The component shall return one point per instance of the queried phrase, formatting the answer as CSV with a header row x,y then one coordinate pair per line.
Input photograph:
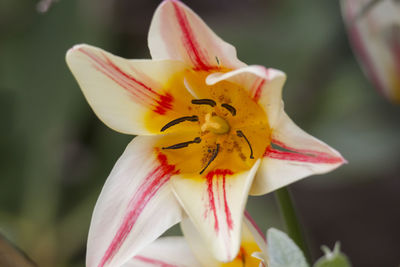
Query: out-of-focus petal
x,y
292,155
122,91
374,31
170,251
264,86
215,205
252,239
135,206
255,232
176,32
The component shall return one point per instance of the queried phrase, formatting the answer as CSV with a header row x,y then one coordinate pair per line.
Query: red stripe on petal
x,y
141,93
154,181
257,89
228,215
211,199
253,223
189,41
155,262
301,155
210,190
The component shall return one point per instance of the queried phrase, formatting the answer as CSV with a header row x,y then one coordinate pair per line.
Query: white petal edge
x,y
122,91
256,233
135,207
302,155
215,205
196,242
176,32
172,251
263,84
250,233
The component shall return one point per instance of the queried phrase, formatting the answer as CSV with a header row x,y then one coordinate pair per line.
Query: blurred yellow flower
x,y
212,130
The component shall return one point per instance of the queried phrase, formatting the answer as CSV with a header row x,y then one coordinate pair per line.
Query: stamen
x,y
197,140
240,134
231,109
179,120
204,102
213,156
217,59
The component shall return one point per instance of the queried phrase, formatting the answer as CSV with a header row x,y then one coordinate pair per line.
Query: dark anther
x,y
179,120
197,140
204,102
231,109
216,58
213,156
240,134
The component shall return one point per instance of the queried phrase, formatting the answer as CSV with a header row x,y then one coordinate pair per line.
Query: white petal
x,y
176,32
375,37
122,91
170,251
264,85
135,206
215,205
196,242
250,234
253,231
293,155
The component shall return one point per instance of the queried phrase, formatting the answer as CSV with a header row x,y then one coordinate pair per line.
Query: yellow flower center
x,y
210,127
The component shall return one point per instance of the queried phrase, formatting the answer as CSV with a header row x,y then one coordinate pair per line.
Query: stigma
x,y
215,124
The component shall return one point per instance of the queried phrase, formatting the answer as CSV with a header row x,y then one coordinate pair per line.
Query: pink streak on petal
x,y
155,262
229,220
253,223
301,155
212,200
257,89
189,40
154,181
141,92
210,179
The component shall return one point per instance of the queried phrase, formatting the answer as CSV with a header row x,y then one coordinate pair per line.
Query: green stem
x,y
293,226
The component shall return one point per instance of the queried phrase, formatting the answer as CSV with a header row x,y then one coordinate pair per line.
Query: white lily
x,y
212,130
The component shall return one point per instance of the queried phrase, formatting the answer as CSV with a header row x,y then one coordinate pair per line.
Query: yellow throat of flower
x,y
218,127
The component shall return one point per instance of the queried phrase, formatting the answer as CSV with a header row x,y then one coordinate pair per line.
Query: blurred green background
x,y
56,154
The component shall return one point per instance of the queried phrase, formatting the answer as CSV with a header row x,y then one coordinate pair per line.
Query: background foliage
x,y
56,154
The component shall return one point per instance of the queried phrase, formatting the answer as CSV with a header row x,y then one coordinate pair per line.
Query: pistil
x,y
215,124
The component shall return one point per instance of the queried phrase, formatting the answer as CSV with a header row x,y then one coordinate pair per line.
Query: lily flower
x,y
176,251
212,130
374,31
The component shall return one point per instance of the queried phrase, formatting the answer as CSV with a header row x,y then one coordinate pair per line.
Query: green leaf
x,y
282,251
333,258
